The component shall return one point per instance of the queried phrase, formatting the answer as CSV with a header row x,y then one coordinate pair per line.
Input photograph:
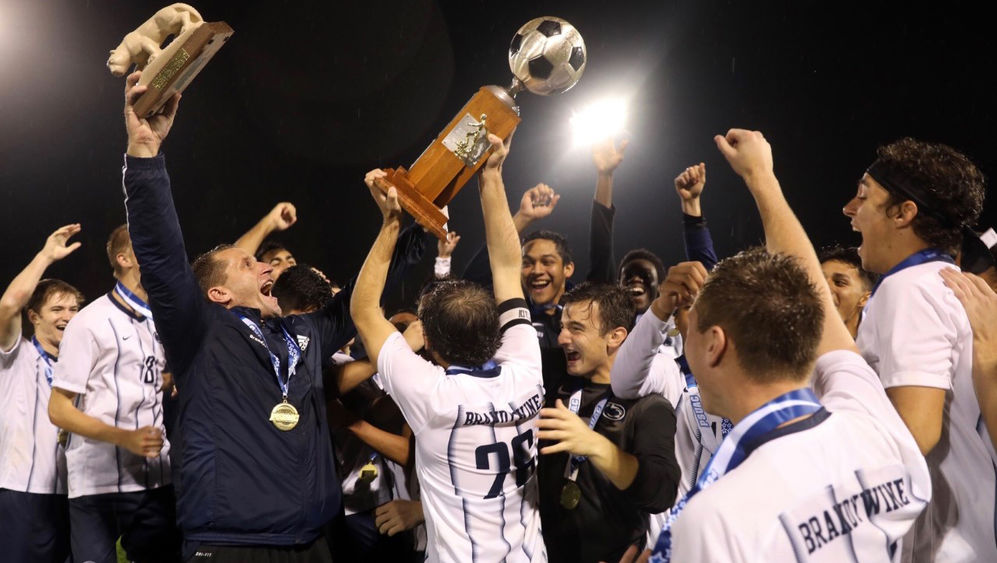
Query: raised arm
x,y
18,293
750,155
280,218
607,156
365,301
174,295
695,234
635,373
538,202
504,252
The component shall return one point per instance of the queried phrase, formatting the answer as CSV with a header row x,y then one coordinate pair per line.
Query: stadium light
x,y
600,120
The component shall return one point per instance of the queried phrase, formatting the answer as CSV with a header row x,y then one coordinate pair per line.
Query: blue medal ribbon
x,y
574,403
293,352
919,257
45,358
764,419
133,301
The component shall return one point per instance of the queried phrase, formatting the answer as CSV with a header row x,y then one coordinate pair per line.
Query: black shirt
x,y
608,520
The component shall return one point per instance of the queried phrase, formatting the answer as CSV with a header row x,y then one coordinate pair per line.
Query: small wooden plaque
x,y
178,64
443,168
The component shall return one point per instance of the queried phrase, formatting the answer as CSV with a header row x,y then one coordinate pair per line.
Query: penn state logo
x,y
614,411
303,342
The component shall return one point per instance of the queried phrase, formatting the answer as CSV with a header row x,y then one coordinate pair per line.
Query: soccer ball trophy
x,y
546,56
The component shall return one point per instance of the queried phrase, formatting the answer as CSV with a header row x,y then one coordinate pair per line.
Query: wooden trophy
x,y
170,70
454,157
546,56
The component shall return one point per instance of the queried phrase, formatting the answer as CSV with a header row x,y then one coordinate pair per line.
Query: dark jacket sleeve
x,y
698,242
178,308
601,260
334,322
653,444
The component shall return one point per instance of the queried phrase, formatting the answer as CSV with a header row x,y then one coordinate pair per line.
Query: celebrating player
x,y
912,208
472,416
108,393
33,505
251,395
851,479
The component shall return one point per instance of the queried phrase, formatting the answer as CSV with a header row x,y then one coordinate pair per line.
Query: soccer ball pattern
x,y
547,55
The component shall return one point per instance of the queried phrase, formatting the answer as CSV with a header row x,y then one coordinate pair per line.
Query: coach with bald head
x,y
257,478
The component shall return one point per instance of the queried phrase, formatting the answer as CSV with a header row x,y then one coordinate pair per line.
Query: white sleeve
x,y
77,356
7,356
639,370
410,380
520,346
703,535
916,333
844,382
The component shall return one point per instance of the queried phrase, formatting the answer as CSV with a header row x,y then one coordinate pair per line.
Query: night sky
x,y
308,96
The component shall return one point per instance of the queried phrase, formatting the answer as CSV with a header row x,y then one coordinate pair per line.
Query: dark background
x,y
308,96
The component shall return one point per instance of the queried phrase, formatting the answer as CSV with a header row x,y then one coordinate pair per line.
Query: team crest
x,y
614,411
303,342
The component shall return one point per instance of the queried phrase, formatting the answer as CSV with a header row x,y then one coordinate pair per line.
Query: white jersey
x,y
113,360
646,364
31,459
844,485
476,448
915,332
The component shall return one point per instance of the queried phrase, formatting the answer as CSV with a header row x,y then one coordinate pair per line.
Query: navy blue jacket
x,y
241,480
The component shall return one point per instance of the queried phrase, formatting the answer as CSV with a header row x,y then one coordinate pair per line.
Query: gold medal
x,y
284,416
571,494
368,472
63,437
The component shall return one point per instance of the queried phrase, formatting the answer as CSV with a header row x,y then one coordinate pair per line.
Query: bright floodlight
x,y
599,121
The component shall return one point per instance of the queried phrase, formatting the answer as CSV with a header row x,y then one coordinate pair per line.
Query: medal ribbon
x,y
133,301
709,440
45,358
761,421
574,403
293,352
919,257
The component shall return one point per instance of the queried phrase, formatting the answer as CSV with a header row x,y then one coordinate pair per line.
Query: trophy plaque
x,y
546,56
170,70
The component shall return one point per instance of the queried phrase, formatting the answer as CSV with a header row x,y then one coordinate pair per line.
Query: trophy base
x,y
178,64
425,212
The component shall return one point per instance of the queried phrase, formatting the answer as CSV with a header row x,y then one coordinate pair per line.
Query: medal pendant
x,y
63,437
284,416
368,472
571,494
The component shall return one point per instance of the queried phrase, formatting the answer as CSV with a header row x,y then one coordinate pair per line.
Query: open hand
x,y
607,154
56,247
568,430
